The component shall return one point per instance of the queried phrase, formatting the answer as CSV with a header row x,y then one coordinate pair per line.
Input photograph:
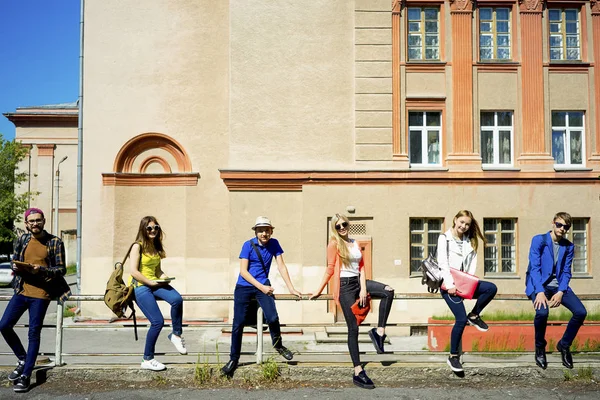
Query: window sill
x,y
581,275
501,62
564,168
500,168
425,168
568,66
507,275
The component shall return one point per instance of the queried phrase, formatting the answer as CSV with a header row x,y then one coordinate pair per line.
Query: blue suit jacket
x,y
541,264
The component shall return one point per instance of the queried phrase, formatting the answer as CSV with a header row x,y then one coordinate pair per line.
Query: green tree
x,y
12,205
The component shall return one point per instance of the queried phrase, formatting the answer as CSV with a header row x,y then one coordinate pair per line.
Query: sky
x,y
39,55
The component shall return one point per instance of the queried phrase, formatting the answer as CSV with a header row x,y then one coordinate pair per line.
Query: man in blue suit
x,y
547,285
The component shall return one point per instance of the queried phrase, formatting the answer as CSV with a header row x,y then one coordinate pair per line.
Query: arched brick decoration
x,y
146,141
124,175
155,160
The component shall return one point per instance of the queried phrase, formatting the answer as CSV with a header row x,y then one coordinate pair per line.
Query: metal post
x,y
59,334
56,198
259,336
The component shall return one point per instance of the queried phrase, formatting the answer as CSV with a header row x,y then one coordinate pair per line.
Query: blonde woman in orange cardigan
x,y
345,264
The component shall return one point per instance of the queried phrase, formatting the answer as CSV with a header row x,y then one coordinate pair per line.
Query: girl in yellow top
x,y
145,269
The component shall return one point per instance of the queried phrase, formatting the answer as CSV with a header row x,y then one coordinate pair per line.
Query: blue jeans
x,y
145,297
573,304
14,310
484,293
242,296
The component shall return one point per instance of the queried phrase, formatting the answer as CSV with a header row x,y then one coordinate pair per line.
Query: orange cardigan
x,y
334,265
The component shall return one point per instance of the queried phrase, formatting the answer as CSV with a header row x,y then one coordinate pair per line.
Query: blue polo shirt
x,y
272,249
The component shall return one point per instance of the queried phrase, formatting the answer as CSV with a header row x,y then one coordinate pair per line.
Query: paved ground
x,y
319,370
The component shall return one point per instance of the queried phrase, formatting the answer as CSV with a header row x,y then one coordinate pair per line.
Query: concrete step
x,y
338,335
286,330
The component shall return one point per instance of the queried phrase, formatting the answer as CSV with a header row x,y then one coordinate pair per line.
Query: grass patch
x,y
71,269
269,370
499,344
69,310
560,314
585,373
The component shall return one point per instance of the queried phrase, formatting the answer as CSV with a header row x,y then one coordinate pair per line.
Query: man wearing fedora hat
x,y
253,283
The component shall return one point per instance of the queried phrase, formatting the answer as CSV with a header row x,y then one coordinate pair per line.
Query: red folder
x,y
465,283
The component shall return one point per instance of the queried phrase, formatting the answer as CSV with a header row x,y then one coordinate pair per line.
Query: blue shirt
x,y
272,249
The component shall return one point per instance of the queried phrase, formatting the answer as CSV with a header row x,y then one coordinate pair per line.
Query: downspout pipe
x,y
80,150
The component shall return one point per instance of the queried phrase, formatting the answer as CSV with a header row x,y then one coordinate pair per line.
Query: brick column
x,y
595,158
398,144
463,155
534,153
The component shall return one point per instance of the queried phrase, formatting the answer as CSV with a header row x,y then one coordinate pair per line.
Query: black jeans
x,y
349,292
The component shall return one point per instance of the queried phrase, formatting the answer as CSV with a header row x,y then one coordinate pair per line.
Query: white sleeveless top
x,y
355,257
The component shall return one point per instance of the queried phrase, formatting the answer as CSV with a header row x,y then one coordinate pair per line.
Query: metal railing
x,y
259,317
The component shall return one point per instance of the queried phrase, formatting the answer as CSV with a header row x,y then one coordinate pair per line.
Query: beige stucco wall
x,y
258,85
162,67
291,84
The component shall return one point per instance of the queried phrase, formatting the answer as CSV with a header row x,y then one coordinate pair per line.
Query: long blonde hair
x,y
335,236
474,231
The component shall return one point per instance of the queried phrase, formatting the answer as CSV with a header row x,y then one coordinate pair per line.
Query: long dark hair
x,y
474,231
150,246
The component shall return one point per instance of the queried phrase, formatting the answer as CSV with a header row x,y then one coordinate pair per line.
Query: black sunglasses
x,y
153,228
340,226
565,226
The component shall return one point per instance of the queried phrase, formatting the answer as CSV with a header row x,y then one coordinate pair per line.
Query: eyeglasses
x,y
565,226
35,221
343,225
153,228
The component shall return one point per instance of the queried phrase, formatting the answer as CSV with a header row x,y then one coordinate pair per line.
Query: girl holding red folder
x,y
349,284
457,250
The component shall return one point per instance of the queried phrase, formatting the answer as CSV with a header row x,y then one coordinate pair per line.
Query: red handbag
x,y
361,312
465,283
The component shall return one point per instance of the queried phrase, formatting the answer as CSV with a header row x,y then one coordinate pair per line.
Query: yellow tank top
x,y
148,266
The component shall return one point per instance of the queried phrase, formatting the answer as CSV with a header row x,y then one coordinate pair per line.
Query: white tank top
x,y
355,257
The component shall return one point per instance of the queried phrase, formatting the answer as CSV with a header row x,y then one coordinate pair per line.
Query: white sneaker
x,y
179,343
153,365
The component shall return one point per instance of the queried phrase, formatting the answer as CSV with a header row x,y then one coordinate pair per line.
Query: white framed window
x,y
496,138
494,33
579,237
568,144
424,233
425,137
565,34
423,33
500,253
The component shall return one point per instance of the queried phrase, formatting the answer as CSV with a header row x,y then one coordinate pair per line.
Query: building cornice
x,y
254,180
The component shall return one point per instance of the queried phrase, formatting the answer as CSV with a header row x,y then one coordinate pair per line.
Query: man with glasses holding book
x,y
39,266
547,285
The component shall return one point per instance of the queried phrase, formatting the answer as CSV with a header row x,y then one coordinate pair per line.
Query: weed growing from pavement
x,y
159,380
585,373
269,370
567,375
